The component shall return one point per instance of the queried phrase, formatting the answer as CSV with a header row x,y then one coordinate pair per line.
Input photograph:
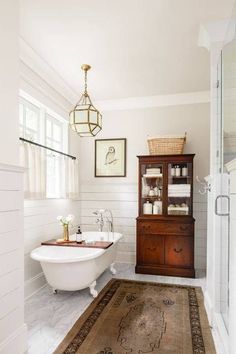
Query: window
x,y
29,121
41,125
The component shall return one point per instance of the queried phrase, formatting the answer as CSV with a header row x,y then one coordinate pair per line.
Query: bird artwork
x,y
110,156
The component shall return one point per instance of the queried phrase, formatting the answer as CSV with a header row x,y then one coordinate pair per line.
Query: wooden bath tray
x,y
95,244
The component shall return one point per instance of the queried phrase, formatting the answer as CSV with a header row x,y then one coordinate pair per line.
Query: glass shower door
x,y
226,152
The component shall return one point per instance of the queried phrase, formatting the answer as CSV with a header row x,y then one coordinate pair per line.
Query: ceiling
x,y
136,47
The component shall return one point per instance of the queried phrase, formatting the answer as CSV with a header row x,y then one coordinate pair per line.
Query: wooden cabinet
x,y
165,225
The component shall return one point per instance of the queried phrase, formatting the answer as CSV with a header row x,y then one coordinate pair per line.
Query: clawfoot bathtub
x,y
72,268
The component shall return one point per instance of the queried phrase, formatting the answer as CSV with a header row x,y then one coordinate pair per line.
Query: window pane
x,y
53,176
31,135
49,128
57,132
37,125
31,119
21,113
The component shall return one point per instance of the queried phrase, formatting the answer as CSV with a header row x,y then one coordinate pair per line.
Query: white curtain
x,y
33,158
65,179
71,178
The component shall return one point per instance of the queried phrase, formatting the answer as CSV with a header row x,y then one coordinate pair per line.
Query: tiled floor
x,y
49,317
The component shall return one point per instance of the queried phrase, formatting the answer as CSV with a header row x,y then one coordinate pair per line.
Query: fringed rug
x,y
142,317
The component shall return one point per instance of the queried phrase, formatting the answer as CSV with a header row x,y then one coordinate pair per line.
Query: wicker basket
x,y
166,145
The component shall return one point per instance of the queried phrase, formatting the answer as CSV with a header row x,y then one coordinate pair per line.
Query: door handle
x,y
216,205
179,250
183,228
152,249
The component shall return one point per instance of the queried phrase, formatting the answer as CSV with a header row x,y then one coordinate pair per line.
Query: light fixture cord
x,y
85,83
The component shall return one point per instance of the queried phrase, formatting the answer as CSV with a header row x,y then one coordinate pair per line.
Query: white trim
x,y
153,101
231,166
40,105
40,67
36,63
216,32
33,285
11,168
208,307
219,333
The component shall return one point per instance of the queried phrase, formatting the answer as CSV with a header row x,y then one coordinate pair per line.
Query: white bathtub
x,y
72,268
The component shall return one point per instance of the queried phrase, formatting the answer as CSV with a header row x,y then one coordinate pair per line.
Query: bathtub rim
x,y
95,253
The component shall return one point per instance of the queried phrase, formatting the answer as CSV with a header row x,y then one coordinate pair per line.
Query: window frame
x,y
45,113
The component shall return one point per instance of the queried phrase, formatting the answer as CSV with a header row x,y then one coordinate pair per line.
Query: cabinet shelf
x,y
153,198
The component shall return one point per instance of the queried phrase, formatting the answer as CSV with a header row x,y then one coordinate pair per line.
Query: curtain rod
x,y
48,148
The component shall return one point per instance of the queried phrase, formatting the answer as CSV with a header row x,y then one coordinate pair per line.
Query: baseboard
x,y
34,284
219,333
16,343
208,307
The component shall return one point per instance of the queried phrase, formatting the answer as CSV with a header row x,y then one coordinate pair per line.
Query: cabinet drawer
x,y
179,251
166,228
150,249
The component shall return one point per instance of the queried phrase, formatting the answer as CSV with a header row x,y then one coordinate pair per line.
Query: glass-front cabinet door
x,y
180,188
152,189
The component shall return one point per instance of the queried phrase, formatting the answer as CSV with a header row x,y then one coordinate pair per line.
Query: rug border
x,y
206,332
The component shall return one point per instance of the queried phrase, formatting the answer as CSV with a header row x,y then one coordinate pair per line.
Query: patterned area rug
x,y
142,317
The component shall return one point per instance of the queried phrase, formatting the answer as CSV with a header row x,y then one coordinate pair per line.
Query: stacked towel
x,y
153,171
179,190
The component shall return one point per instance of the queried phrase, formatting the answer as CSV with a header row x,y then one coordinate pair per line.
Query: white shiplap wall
x,y
40,224
12,328
122,200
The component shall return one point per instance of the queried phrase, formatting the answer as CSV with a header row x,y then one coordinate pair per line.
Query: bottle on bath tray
x,y
79,238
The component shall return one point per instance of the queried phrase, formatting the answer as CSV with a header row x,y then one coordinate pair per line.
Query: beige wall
x,y
120,194
136,125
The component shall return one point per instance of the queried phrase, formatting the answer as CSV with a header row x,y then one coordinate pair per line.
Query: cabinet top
x,y
167,157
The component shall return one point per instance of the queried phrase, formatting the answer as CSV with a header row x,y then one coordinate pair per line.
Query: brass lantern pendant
x,y
85,119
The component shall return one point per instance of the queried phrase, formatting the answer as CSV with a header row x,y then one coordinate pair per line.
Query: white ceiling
x,y
136,47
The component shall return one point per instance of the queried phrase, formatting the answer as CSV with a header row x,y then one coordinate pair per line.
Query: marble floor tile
x,y
49,317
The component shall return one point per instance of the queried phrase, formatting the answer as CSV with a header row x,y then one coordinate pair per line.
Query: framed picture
x,y
110,158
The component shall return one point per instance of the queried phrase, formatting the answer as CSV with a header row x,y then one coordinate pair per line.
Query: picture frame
x,y
110,157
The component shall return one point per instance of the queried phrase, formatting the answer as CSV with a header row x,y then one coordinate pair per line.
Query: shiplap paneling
x,y
40,224
122,199
13,330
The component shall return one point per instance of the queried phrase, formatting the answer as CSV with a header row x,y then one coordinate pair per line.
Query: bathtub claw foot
x,y
93,292
54,291
112,269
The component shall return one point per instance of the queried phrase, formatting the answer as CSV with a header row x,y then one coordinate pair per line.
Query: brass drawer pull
x,y
183,228
178,251
152,249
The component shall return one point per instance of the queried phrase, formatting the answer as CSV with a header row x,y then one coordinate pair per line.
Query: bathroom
x,y
162,74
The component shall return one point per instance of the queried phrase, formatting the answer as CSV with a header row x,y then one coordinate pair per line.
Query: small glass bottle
x,y
79,236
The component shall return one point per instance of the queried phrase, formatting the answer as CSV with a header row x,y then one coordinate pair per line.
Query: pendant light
x,y
85,119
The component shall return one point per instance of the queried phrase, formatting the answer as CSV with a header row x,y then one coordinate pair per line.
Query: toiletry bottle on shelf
x,y
185,171
172,171
155,208
177,171
147,208
79,236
